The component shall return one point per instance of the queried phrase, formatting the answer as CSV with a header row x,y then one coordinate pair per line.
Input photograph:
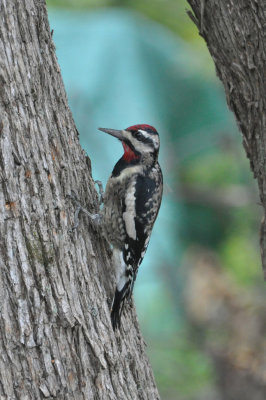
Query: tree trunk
x,y
56,339
235,33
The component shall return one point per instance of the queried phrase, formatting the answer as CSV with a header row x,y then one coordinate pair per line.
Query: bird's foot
x,y
96,218
101,191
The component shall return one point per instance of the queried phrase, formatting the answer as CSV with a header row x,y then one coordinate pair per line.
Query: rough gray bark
x,y
56,339
235,33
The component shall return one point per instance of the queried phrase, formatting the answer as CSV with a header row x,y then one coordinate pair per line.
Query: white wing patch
x,y
127,172
120,268
130,213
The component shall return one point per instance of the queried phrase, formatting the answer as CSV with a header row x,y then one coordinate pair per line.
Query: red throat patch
x,y
129,154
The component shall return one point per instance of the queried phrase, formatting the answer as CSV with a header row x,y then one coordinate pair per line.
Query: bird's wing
x,y
139,213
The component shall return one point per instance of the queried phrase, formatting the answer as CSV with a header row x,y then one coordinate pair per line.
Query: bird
x,y
131,203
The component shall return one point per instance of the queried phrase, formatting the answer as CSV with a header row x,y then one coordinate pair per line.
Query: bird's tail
x,y
125,278
118,305
119,301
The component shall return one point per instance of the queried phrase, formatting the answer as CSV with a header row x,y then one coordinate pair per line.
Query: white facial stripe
x,y
144,133
141,147
127,135
156,141
154,138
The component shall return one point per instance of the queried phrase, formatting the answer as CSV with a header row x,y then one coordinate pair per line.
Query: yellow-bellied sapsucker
x,y
131,203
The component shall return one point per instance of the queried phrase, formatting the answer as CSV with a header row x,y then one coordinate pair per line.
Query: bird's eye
x,y
138,134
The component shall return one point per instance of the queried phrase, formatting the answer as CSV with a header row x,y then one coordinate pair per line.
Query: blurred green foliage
x,y
243,266
170,13
177,362
216,167
230,230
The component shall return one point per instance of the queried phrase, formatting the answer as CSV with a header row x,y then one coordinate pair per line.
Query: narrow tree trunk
x,y
235,33
56,339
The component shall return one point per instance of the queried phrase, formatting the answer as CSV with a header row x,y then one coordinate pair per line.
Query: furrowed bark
x,y
235,33
56,339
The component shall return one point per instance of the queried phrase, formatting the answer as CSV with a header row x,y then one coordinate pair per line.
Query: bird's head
x,y
139,142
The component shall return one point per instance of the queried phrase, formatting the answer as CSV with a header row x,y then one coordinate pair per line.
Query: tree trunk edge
x,y
234,33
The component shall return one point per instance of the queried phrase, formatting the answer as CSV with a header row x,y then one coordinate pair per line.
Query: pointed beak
x,y
114,132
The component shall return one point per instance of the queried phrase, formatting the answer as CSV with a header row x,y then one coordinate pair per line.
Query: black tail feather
x,y
119,301
118,305
117,308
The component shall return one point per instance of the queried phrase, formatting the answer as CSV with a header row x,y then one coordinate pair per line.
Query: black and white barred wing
x,y
140,208
139,224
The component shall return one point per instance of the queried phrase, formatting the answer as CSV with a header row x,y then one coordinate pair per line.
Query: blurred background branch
x,y
231,196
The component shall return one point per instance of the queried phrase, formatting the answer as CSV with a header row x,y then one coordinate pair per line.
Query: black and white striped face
x,y
142,139
137,140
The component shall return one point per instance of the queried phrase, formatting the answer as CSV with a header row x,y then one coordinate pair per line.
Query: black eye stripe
x,y
138,134
142,138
